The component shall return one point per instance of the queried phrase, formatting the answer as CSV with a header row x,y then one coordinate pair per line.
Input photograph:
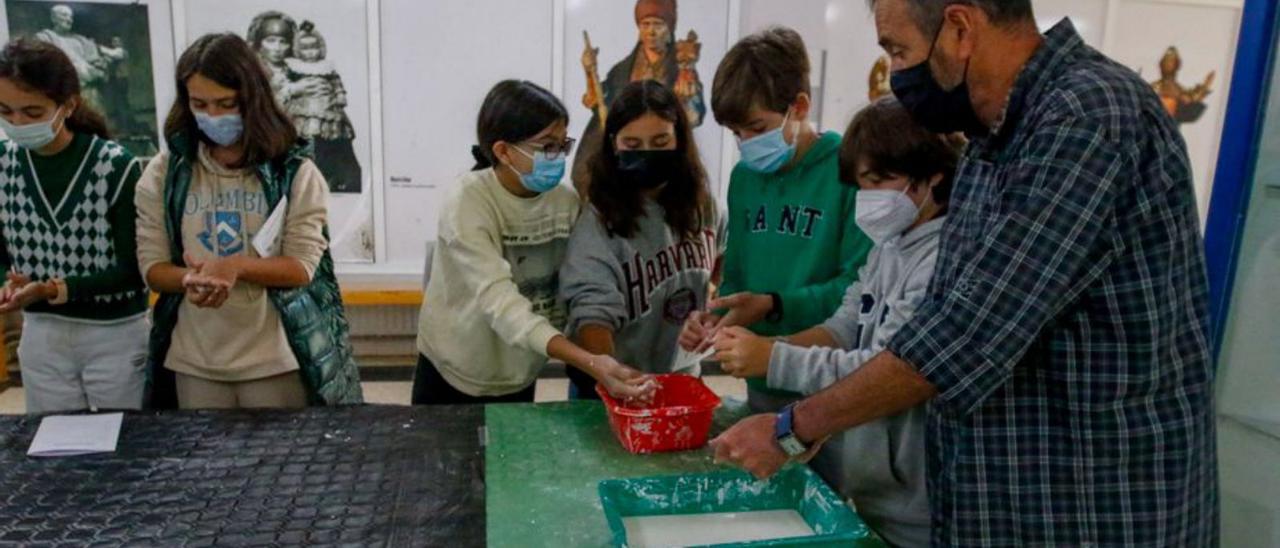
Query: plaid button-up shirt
x,y
1067,326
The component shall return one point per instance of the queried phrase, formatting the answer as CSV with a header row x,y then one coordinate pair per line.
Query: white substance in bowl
x,y
721,528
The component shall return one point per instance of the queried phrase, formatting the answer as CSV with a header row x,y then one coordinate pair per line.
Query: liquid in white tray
x,y
719,528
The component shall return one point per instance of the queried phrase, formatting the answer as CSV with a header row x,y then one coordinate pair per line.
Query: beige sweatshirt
x,y
490,307
244,339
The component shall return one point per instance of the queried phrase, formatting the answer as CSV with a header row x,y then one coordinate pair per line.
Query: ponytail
x,y
482,160
86,119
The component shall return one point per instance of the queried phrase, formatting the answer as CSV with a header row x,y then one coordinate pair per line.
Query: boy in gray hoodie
x,y
643,255
904,173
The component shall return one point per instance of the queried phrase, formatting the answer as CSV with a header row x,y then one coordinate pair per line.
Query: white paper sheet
x,y
268,240
71,435
686,360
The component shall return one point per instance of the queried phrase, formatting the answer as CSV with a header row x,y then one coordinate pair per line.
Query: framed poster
x,y
677,43
317,55
123,54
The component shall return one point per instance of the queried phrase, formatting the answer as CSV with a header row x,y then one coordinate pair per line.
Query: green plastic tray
x,y
794,488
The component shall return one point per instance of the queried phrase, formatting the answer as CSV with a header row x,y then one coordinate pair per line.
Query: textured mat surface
x,y
360,476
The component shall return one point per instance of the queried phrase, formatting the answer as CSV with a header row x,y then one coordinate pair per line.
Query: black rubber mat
x,y
358,476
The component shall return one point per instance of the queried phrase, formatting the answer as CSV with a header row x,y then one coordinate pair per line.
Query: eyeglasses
x,y
553,151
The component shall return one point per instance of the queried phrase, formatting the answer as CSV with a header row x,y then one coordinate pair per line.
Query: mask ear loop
x,y
786,121
526,155
64,120
964,78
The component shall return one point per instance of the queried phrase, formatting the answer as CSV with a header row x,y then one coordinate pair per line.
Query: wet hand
x,y
20,293
622,382
208,284
698,331
750,445
742,353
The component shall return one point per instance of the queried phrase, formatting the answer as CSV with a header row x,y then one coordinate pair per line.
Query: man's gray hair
x,y
928,13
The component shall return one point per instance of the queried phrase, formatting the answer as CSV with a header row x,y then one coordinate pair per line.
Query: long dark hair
x,y
685,200
227,60
42,67
513,111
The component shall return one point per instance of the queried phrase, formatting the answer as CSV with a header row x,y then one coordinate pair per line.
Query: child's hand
x,y
20,293
742,353
622,382
206,284
744,308
698,330
15,283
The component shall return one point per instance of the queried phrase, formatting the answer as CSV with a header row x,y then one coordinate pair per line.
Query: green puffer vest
x,y
313,316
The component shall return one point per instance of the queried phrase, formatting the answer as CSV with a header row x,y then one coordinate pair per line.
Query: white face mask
x,y
34,135
884,214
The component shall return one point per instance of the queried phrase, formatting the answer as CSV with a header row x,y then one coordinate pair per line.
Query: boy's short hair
x,y
767,69
885,137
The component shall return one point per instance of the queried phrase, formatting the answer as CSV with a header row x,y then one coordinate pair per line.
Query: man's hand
x,y
751,446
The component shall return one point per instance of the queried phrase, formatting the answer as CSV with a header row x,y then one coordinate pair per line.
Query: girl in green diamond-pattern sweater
x,y
67,239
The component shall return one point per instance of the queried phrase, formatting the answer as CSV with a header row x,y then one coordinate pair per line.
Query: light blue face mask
x,y
35,135
546,173
769,151
223,130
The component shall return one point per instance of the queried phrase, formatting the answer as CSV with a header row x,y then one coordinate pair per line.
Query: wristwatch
x,y
775,313
791,445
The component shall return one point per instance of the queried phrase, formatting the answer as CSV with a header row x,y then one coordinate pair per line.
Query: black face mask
x,y
934,108
648,169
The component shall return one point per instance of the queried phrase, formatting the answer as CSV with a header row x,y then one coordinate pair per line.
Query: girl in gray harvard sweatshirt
x,y
904,174
643,254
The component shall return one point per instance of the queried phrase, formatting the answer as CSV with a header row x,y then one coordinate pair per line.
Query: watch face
x,y
792,446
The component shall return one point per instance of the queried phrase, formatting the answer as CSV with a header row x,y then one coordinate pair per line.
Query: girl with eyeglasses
x,y
490,318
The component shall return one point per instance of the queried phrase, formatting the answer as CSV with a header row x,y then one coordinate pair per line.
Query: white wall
x,y
439,59
429,64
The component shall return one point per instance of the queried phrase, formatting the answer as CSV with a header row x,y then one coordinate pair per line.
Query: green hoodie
x,y
793,233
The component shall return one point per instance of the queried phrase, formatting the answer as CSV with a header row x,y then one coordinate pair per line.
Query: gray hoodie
x,y
642,288
879,465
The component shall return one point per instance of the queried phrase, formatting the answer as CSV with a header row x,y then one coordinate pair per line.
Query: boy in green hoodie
x,y
793,246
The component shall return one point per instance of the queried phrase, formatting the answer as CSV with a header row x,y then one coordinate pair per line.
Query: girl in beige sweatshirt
x,y
490,317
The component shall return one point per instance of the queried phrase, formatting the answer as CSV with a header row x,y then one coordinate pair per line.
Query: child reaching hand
x,y
904,173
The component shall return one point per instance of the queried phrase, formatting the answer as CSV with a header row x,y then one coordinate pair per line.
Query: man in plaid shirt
x,y
1063,350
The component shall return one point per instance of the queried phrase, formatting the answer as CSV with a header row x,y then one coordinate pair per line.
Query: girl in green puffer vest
x,y
249,315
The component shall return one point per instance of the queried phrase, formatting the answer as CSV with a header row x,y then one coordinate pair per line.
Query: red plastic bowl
x,y
679,418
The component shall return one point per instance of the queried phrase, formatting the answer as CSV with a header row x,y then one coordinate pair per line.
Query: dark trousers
x,y
430,388
581,385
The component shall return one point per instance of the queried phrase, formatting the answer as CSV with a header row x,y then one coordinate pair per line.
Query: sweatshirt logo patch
x,y
679,306
223,233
